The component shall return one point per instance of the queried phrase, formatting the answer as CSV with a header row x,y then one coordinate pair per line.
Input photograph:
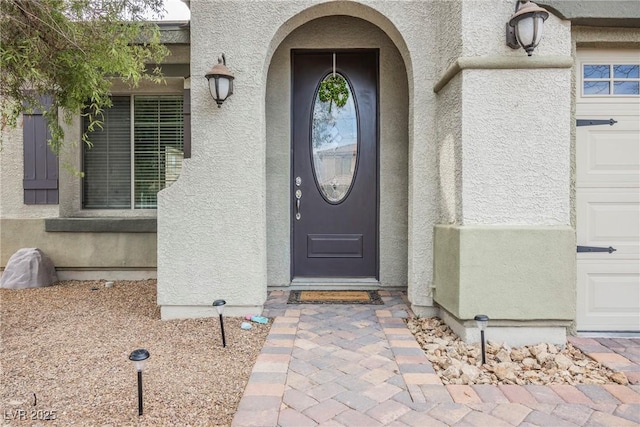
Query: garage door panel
x,y
609,296
609,218
609,155
608,191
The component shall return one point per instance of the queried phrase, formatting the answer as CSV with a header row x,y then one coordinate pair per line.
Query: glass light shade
x,y
139,358
219,305
529,32
482,321
527,23
220,81
220,87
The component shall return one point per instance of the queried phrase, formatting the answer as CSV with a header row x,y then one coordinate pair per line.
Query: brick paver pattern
x,y
358,365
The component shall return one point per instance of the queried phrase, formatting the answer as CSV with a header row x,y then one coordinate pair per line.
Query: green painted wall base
x,y
79,250
509,273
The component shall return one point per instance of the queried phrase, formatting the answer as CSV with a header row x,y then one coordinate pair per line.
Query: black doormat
x,y
335,297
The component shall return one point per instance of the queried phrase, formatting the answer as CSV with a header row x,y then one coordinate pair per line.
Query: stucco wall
x,y
339,32
449,33
509,272
603,37
223,186
450,152
513,165
483,29
79,250
504,138
503,122
501,155
516,141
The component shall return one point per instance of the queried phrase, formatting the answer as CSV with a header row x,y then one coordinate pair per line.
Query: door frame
x,y
290,189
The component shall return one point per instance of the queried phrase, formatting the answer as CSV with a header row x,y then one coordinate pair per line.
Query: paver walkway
x,y
358,365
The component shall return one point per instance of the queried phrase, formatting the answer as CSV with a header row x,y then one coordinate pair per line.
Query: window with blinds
x,y
137,153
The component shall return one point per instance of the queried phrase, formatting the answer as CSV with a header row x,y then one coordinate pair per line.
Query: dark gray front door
x,y
334,190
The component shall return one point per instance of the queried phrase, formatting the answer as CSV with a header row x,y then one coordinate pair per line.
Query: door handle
x,y
298,196
596,249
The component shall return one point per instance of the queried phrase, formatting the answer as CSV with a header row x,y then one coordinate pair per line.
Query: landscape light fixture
x,y
139,358
220,81
219,305
482,321
525,26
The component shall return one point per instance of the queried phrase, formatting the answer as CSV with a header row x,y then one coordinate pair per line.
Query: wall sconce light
x,y
220,81
139,358
482,321
524,28
219,305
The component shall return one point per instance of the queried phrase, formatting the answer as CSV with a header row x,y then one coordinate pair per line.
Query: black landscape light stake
x,y
219,305
139,357
482,321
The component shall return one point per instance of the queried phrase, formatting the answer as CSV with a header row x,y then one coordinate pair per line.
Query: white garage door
x,y
608,190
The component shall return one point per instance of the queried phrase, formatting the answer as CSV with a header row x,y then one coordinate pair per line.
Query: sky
x,y
176,11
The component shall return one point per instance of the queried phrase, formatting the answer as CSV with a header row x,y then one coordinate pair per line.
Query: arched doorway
x,y
389,191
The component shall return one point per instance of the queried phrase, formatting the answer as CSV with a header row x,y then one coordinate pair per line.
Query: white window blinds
x,y
107,165
158,135
138,152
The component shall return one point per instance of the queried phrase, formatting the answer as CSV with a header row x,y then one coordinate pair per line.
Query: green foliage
x,y
72,50
334,89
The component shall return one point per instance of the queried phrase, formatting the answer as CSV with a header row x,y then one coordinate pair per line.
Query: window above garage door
x,y
602,76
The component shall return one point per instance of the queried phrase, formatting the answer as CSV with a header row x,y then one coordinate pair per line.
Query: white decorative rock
x,y
28,268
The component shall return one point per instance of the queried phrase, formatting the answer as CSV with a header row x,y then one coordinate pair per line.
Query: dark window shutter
x,y
40,181
186,111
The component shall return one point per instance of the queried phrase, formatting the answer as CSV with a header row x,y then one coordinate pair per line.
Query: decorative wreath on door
x,y
334,90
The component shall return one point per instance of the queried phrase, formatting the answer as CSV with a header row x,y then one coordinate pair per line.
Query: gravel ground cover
x,y
64,354
459,363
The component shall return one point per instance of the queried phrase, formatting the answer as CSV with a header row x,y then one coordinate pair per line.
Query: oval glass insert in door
x,y
334,146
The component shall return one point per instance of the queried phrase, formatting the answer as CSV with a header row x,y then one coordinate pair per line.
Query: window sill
x,y
101,225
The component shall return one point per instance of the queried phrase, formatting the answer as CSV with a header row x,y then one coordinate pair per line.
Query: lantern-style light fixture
x,y
220,81
139,358
482,321
219,305
524,28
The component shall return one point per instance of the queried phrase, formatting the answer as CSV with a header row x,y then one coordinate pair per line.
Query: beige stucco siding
x,y
516,134
235,186
449,126
504,129
228,169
